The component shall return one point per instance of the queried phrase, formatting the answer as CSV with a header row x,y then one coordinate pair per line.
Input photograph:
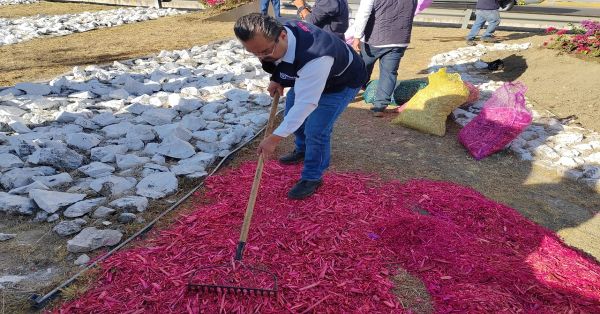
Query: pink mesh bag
x,y
503,117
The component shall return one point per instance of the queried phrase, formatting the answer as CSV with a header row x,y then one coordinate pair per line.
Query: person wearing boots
x,y
382,32
323,75
486,11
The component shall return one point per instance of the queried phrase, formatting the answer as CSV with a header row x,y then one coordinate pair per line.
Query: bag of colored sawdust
x,y
403,91
503,117
429,108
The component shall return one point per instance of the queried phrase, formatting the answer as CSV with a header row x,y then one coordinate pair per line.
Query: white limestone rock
x,y
52,201
130,203
82,260
34,88
193,123
113,185
142,132
7,236
53,181
197,163
157,185
83,207
90,239
105,119
69,227
159,116
130,161
25,189
56,157
16,204
97,169
107,153
103,212
209,136
19,177
176,148
117,130
9,161
83,141
174,129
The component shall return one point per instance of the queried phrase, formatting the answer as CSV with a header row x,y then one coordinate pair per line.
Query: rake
x,y
237,265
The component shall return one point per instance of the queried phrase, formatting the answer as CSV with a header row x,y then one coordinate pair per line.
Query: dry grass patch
x,y
50,8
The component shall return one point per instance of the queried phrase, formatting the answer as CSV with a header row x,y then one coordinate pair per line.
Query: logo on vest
x,y
284,76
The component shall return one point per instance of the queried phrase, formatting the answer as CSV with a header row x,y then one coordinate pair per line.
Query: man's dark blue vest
x,y
312,43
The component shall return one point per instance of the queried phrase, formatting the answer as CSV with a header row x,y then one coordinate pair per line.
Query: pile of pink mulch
x,y
336,251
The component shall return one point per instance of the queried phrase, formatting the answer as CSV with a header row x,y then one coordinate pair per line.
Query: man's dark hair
x,y
249,25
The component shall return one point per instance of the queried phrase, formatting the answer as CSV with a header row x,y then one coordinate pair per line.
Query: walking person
x,y
264,7
486,11
324,75
382,32
330,15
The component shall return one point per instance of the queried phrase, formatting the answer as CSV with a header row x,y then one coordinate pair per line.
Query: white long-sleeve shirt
x,y
308,88
360,22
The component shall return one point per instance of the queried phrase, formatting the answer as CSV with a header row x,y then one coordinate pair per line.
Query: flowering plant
x,y
583,39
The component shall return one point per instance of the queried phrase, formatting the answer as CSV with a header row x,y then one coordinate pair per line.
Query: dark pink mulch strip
x,y
336,251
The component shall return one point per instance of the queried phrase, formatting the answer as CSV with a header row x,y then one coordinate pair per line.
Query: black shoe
x,y
304,189
292,158
489,39
471,42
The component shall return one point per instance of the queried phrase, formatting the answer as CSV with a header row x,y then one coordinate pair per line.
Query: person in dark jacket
x,y
330,15
382,32
486,11
324,75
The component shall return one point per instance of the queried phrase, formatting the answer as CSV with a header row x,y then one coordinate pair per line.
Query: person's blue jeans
x,y
389,61
491,17
314,136
264,7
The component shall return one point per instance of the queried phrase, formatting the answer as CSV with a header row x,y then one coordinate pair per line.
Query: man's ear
x,y
283,35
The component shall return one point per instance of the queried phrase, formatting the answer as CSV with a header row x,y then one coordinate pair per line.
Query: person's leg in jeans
x,y
264,7
299,141
276,8
369,56
318,128
493,20
479,22
388,73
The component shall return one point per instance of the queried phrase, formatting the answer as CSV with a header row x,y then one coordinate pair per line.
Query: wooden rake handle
x,y
255,184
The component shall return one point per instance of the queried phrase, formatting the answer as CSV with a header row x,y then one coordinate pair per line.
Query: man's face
x,y
265,49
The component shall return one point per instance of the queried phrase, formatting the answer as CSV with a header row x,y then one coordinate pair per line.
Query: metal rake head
x,y
197,285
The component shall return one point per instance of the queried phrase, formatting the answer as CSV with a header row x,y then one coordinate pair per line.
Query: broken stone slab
x,y
7,236
55,180
141,131
132,144
103,212
176,148
90,239
156,167
56,157
107,153
51,218
69,227
83,207
130,161
97,169
113,185
19,127
27,188
34,88
86,123
209,136
118,94
126,218
174,129
117,130
84,141
52,201
197,163
193,123
105,119
130,203
593,158
19,177
159,116
9,161
16,204
157,185
82,260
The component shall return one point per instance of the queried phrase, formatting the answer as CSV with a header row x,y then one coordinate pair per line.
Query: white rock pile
x,y
91,148
11,2
13,31
572,151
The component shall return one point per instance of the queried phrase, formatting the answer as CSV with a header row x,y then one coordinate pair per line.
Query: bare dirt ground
x,y
361,142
